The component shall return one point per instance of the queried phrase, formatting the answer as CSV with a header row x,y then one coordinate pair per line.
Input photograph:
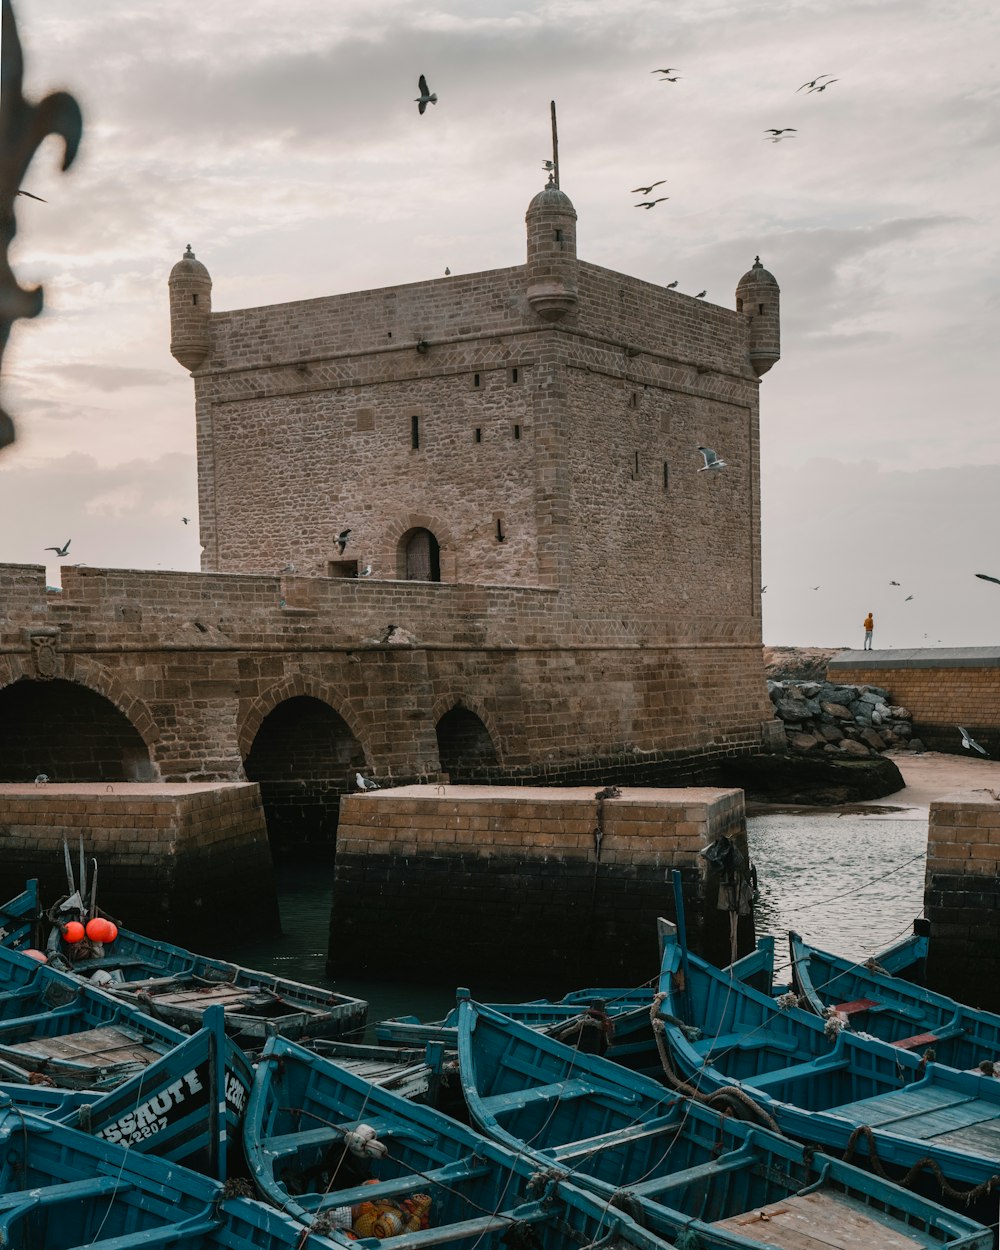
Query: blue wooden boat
x,y
177,986
710,1181
826,1085
897,1011
329,1148
61,1189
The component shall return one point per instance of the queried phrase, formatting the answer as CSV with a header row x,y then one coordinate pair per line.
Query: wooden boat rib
x,y
896,1011
704,1175
479,1192
844,1092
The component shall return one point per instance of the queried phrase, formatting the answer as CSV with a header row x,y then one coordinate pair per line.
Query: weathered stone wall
x,y
197,662
469,883
942,687
177,862
962,898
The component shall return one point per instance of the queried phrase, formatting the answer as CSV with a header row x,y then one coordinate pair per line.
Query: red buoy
x,y
34,954
73,932
97,929
111,932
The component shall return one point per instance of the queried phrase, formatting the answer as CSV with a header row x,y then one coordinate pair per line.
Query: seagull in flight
x,y
648,204
908,598
822,86
812,85
186,519
669,70
426,96
701,295
711,460
342,540
61,551
762,589
365,783
773,130
32,197
986,578
816,588
647,190
668,78
968,741
894,583
671,285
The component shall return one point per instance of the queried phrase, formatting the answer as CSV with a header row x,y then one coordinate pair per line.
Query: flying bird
x,y
968,741
986,578
894,583
185,519
772,130
667,78
812,84
762,589
822,86
671,285
426,96
908,598
711,459
365,783
671,69
648,204
647,190
816,588
63,550
32,197
701,295
342,540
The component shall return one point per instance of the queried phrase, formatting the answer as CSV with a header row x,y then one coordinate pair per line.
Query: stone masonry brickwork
x,y
562,886
175,862
962,898
942,688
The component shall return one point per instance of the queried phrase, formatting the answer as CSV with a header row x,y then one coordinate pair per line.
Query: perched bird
x,y
342,540
968,741
701,295
772,130
986,578
609,792
365,783
41,779
185,519
549,165
671,285
366,571
822,86
648,204
289,568
426,96
61,551
32,197
711,459
447,271
647,190
812,84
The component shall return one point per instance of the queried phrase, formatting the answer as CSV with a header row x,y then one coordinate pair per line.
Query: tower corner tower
x,y
190,311
758,299
552,282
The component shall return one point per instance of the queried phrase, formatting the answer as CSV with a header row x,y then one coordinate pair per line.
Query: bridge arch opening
x,y
68,733
304,757
465,747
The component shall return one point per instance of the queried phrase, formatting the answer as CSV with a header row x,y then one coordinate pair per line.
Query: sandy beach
x,y
932,775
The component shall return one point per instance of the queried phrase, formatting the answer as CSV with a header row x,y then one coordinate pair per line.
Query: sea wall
x,y
838,719
471,883
181,863
942,688
962,897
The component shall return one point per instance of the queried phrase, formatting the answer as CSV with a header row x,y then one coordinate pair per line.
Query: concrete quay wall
x,y
962,897
179,862
472,883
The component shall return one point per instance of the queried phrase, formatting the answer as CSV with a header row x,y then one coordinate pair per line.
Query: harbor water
x,y
850,883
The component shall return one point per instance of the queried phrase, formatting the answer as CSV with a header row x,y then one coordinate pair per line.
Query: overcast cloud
x,y
282,142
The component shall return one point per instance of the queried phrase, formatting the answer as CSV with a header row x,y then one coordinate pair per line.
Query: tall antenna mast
x,y
555,145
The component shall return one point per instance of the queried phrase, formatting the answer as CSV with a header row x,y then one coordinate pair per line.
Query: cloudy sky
x,y
282,141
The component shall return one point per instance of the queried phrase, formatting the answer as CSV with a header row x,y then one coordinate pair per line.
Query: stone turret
x,y
190,311
758,299
551,221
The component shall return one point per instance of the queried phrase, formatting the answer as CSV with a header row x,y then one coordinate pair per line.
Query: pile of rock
x,y
841,720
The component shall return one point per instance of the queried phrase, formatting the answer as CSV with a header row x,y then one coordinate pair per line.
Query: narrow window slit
x,y
415,432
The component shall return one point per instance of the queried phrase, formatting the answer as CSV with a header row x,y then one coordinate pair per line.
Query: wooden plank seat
x,y
286,1143
557,1091
614,1139
467,1229
754,1039
818,1221
811,1068
734,1161
855,1005
68,1191
400,1186
91,1048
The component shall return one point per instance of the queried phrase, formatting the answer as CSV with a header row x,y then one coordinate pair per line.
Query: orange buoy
x,y
111,931
97,929
35,954
73,932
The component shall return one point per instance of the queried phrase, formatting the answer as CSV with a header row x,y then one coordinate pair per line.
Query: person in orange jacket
x,y
869,626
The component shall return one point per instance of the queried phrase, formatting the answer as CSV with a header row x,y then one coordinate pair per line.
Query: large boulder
x,y
814,779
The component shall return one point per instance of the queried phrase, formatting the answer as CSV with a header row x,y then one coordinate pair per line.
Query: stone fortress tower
x,y
514,453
